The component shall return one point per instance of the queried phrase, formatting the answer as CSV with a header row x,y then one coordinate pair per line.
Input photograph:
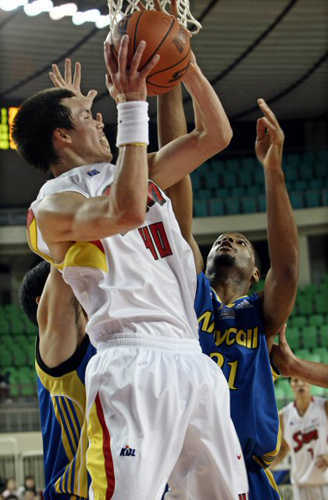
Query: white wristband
x,y
132,123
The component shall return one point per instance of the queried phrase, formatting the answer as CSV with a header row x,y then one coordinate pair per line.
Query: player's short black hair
x,y
32,287
35,122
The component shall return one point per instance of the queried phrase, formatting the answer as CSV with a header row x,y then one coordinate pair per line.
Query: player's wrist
x,y
132,128
128,97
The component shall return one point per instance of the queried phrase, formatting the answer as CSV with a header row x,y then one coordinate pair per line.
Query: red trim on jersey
x,y
29,217
98,244
109,467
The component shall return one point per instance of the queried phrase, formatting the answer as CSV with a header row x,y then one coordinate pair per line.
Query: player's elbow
x,y
215,141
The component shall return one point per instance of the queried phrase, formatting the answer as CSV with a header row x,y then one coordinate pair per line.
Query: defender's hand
x,y
269,138
68,83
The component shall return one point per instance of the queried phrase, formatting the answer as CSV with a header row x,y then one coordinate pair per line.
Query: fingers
x,y
282,333
99,117
77,75
58,76
122,54
68,71
174,8
109,60
137,57
260,128
91,95
148,68
272,121
141,6
158,6
54,80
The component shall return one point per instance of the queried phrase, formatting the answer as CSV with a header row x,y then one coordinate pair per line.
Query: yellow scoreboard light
x,y
7,117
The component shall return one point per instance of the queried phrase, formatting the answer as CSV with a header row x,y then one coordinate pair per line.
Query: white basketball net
x,y
184,15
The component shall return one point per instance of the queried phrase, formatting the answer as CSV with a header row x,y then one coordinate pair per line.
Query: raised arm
x,y
171,125
61,321
70,216
290,365
281,282
212,133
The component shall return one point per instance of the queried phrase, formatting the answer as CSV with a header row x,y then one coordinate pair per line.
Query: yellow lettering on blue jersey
x,y
231,336
206,319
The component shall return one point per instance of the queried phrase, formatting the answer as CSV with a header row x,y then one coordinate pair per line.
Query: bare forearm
x,y
279,458
171,119
282,230
211,119
313,373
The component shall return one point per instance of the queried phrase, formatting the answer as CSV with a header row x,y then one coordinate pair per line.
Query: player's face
x,y
88,139
232,247
300,387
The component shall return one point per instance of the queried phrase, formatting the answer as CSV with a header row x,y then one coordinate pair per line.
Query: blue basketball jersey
x,y
233,336
62,402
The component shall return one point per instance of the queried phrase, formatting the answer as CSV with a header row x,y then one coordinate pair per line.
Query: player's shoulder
x,y
287,409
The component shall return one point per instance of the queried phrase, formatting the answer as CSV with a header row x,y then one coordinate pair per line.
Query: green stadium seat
x,y
325,278
204,194
245,177
200,208
323,333
290,173
293,337
258,176
302,353
316,184
309,290
304,304
299,185
305,171
196,181
325,357
261,200
212,180
293,158
248,162
221,192
14,388
316,320
229,179
299,321
218,166
285,385
31,329
313,198
316,358
19,357
216,207
237,191
320,170
321,352
4,325
309,337
232,205
323,288
296,199
6,359
317,391
321,303
233,165
253,190
248,204
323,155
309,156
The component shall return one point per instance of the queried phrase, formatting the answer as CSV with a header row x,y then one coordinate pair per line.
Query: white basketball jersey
x,y
307,438
143,281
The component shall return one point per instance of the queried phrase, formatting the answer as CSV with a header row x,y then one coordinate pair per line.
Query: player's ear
x,y
255,276
61,136
37,299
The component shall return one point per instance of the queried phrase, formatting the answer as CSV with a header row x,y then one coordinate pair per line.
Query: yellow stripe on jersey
x,y
86,254
95,455
65,438
272,481
267,459
32,239
275,375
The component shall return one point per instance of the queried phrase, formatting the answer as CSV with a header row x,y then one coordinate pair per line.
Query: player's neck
x,y
302,404
228,290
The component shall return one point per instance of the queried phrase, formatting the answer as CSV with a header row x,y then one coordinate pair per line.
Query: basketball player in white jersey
x,y
304,425
153,399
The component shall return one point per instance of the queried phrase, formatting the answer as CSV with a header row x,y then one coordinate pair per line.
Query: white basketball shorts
x,y
158,410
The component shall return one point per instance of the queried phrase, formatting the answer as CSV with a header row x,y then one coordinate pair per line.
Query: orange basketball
x,y
164,36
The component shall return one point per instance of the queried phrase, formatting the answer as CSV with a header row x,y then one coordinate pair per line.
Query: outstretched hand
x,y
269,138
69,83
122,80
283,356
322,462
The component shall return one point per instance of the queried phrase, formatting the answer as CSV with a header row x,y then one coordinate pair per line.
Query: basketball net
x,y
185,17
